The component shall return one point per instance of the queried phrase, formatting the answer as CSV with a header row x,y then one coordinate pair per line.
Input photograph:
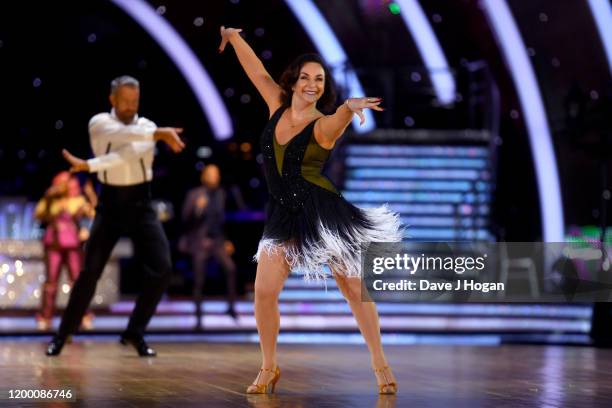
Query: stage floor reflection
x,y
102,373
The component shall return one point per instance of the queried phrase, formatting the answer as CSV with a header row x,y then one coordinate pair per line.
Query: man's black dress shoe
x,y
139,343
54,348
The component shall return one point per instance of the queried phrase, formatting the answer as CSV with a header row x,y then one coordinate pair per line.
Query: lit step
x,y
431,209
299,283
401,150
425,162
373,173
445,309
459,221
447,234
306,295
326,322
403,185
383,197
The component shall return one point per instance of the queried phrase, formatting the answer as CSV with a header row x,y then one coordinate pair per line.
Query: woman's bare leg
x,y
272,271
366,316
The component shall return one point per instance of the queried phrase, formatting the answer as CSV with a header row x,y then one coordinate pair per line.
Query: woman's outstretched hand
x,y
357,105
226,33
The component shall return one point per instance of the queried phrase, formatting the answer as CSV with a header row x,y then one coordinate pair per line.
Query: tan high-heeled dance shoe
x,y
267,388
387,387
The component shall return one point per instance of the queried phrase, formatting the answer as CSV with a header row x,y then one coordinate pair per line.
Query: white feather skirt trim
x,y
342,256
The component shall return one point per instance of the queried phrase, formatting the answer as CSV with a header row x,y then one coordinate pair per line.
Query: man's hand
x,y
229,247
77,164
201,202
170,136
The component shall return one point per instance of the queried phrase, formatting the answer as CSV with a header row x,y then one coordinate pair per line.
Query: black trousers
x,y
213,247
122,211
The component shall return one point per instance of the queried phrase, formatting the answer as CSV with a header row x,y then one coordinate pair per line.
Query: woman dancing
x,y
309,224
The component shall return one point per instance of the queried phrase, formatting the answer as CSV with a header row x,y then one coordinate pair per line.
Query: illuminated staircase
x,y
442,192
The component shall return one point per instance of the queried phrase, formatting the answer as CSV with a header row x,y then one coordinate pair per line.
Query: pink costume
x,y
61,239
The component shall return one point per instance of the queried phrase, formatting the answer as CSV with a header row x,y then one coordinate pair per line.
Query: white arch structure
x,y
430,49
186,61
515,53
602,14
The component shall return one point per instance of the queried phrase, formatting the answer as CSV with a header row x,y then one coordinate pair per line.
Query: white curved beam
x,y
540,140
186,61
430,49
602,14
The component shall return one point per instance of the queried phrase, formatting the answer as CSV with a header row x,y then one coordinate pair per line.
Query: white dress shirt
x,y
124,153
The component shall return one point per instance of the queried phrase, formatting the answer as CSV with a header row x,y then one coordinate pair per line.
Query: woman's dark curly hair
x,y
327,102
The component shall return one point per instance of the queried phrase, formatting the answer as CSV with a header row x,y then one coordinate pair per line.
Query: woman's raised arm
x,y
254,68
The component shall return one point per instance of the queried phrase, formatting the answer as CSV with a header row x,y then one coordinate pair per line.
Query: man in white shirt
x,y
124,146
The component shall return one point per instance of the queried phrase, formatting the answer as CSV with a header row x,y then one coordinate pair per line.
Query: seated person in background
x,y
204,215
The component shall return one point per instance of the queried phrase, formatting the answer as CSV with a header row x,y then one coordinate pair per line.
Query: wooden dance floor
x,y
104,374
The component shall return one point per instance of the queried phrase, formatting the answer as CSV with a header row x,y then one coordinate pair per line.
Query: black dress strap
x,y
277,114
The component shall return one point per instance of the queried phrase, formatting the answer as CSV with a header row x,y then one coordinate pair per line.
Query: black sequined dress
x,y
307,217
